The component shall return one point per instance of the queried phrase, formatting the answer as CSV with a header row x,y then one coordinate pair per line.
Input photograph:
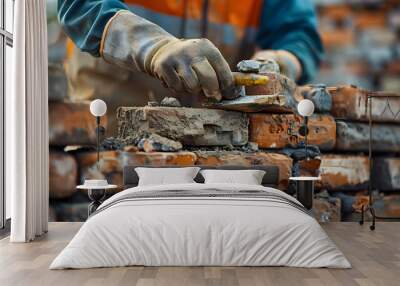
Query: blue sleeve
x,y
84,21
292,25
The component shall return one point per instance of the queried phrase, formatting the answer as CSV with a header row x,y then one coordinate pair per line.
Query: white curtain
x,y
27,124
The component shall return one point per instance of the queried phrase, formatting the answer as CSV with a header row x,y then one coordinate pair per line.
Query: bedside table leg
x,y
305,193
96,196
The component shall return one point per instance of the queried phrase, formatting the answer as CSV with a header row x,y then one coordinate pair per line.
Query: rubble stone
x,y
279,131
237,158
354,137
63,175
248,66
72,124
343,172
158,143
190,126
269,65
170,101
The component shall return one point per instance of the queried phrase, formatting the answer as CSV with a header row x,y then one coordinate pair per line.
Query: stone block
x,y
343,172
190,126
354,137
215,158
279,131
72,124
63,175
386,174
351,103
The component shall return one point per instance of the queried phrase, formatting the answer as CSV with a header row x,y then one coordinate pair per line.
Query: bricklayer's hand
x,y
288,63
193,66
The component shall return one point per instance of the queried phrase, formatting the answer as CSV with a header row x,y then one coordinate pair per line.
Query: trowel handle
x,y
249,79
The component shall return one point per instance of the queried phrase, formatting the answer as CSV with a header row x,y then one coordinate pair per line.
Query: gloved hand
x,y
183,65
288,63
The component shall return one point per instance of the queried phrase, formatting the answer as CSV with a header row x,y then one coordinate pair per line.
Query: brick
x,y
221,158
310,167
110,167
370,19
350,102
386,174
158,158
337,38
190,126
279,131
111,163
343,172
63,175
354,137
72,124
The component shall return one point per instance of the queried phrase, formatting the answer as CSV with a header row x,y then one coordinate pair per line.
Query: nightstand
x,y
305,190
96,193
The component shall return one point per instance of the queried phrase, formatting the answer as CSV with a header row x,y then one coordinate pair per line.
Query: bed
x,y
197,224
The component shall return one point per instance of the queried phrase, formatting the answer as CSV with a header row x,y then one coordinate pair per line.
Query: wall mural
x,y
147,124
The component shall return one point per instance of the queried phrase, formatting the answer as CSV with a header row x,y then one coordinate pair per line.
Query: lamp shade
x,y
305,107
98,107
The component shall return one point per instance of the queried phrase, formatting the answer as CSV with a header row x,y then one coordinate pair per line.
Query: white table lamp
x,y
305,108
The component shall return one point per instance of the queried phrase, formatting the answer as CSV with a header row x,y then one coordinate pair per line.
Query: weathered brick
x,y
72,124
158,158
109,168
350,102
63,174
279,131
386,173
111,163
354,137
190,126
343,172
216,158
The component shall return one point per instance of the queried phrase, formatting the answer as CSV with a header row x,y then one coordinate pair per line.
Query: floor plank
x,y
375,257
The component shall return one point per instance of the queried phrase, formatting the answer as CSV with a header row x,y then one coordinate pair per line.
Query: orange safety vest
x,y
232,24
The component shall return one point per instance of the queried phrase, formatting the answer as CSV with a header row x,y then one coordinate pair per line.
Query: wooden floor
x,y
375,257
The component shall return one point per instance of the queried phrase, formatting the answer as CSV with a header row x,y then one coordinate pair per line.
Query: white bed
x,y
269,229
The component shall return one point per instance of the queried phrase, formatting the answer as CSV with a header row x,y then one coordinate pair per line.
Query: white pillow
x,y
166,176
248,177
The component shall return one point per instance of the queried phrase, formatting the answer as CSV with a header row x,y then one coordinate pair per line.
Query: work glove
x,y
288,63
194,65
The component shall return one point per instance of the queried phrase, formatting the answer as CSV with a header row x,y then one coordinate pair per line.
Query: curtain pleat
x,y
27,123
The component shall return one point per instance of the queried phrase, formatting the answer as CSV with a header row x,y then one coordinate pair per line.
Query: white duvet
x,y
200,231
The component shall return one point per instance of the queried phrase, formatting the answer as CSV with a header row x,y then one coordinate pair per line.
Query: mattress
x,y
201,225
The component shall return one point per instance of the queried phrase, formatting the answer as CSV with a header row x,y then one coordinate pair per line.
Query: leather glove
x,y
288,63
183,65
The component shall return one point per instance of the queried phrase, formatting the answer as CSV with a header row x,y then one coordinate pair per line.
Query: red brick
x,y
220,158
63,175
279,131
72,124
